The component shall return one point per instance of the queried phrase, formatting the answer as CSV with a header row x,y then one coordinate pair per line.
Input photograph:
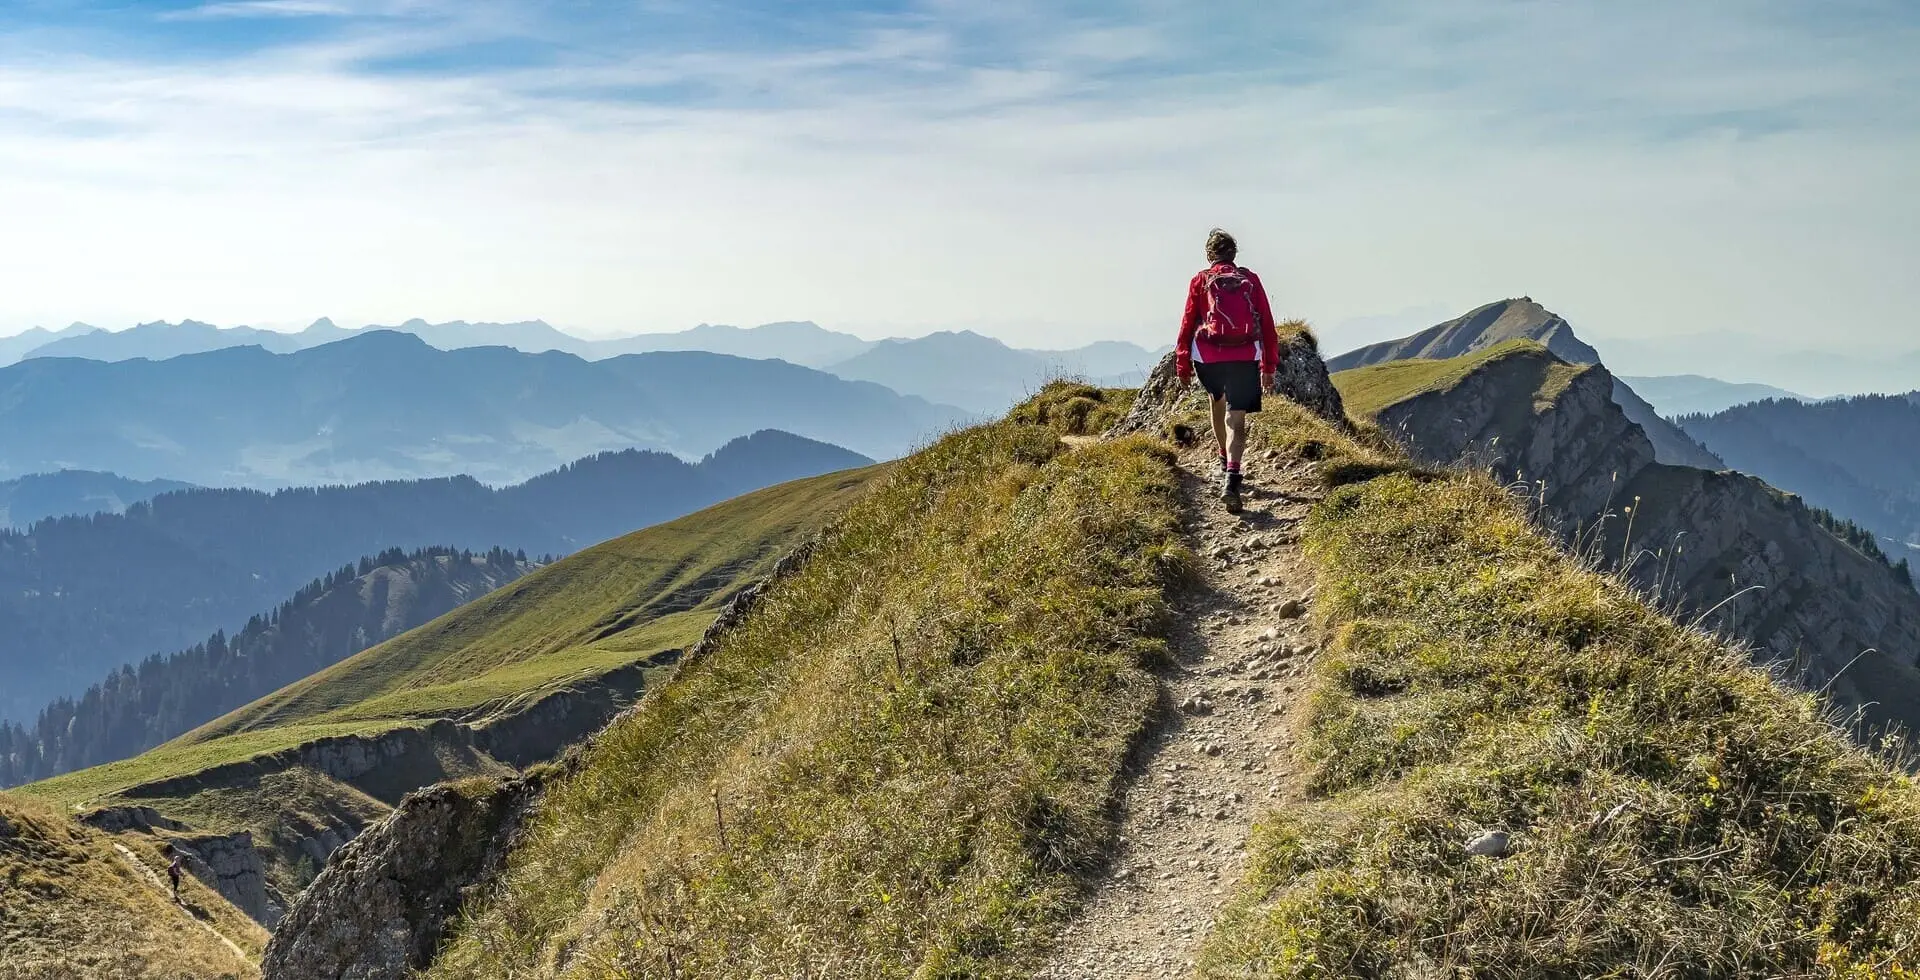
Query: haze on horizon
x,y
1727,175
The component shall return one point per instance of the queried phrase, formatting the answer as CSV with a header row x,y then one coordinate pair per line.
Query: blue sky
x,y
1041,171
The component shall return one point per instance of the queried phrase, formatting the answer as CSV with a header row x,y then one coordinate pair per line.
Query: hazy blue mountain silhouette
x,y
27,499
386,405
160,340
19,345
1694,394
982,374
960,368
797,342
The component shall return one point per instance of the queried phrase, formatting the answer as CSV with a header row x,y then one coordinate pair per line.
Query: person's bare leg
x,y
1220,423
1236,441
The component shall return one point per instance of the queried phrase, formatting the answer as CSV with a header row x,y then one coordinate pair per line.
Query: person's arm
x,y
1189,323
1269,335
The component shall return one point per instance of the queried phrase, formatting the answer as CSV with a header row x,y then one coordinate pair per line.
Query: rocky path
x,y
1224,753
154,880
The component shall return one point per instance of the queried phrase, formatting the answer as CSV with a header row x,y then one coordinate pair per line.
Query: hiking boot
x,y
1230,495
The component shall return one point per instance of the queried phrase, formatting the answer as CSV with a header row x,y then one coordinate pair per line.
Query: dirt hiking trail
x,y
1221,753
153,879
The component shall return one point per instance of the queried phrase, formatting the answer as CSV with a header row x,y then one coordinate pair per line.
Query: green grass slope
x,y
1369,390
1673,811
71,905
900,764
613,605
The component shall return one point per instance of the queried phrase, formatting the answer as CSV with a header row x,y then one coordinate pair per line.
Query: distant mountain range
x,y
1523,319
985,376
386,405
1693,394
797,342
27,341
28,499
1807,363
1858,457
82,595
976,374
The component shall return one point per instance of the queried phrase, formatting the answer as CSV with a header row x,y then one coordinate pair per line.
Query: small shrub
x,y
1072,408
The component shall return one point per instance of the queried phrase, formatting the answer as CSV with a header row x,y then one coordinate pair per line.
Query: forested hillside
x,y
139,706
80,596
1858,457
503,682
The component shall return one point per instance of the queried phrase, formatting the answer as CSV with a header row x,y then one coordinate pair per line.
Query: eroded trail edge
x,y
1223,751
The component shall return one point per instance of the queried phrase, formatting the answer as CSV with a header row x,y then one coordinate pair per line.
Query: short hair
x,y
1221,247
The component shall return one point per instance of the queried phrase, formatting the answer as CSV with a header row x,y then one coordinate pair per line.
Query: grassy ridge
x,y
899,764
71,906
1368,390
610,605
1675,813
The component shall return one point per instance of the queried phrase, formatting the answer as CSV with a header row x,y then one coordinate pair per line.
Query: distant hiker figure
x,y
176,865
1227,337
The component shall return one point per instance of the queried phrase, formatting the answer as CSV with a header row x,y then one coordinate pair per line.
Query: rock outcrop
x,y
1302,377
383,904
121,819
360,760
1722,547
229,864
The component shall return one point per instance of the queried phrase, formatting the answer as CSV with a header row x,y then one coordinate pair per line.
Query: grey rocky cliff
x,y
1301,377
229,864
1723,547
382,906
121,819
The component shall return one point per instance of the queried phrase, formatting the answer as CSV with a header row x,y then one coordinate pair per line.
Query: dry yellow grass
x,y
1674,812
71,906
900,765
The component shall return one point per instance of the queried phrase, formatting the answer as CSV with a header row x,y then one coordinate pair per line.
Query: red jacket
x,y
1189,348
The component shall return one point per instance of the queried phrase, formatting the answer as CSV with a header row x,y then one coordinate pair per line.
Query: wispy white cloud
x,y
235,9
1645,170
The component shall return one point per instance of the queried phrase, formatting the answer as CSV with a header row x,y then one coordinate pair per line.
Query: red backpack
x,y
1232,319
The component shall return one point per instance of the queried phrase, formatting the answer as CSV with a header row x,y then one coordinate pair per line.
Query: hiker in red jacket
x,y
1227,337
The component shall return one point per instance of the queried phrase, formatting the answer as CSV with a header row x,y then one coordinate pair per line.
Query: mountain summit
x,y
1523,319
1479,329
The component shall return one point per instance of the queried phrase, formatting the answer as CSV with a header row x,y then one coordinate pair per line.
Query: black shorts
x,y
1239,381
